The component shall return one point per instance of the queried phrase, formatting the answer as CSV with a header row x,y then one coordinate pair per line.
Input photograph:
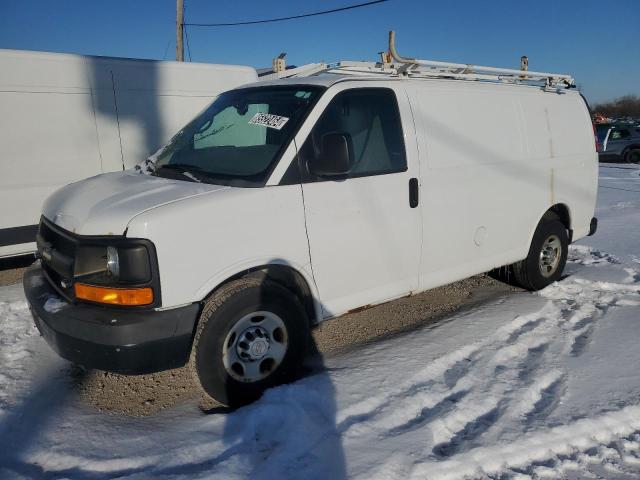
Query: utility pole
x,y
179,28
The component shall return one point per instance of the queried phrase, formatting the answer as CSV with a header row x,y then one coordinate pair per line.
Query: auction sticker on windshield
x,y
268,120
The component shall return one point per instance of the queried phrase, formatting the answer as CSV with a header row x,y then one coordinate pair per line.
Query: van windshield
x,y
238,139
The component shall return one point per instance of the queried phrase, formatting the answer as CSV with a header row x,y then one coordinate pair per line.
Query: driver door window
x,y
370,121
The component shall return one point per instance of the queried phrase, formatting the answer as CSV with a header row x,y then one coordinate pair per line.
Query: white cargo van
x,y
292,201
69,117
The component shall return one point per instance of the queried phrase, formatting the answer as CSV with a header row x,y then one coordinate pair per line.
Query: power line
x,y
186,35
186,31
166,50
281,19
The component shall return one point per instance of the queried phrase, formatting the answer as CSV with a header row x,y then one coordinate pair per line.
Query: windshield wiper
x,y
192,172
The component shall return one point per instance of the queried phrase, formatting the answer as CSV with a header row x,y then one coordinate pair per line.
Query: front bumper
x,y
130,341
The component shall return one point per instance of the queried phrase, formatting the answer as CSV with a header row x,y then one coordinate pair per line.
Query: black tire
x,y
222,311
528,272
632,156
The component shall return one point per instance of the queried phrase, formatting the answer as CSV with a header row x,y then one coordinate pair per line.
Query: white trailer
x,y
69,117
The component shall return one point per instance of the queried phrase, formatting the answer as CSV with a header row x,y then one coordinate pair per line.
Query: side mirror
x,y
334,159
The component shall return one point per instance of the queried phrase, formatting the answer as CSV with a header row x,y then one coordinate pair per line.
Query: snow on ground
x,y
542,385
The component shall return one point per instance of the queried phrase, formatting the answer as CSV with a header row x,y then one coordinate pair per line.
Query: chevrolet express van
x,y
291,201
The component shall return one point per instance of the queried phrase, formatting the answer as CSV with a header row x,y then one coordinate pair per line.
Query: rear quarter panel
x,y
573,158
494,159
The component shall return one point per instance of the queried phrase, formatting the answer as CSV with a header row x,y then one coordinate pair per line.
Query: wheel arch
x,y
295,279
560,211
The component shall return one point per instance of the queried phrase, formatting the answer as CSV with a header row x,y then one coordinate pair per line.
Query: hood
x,y
104,204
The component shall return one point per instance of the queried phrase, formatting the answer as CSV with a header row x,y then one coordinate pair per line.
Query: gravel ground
x,y
12,269
9,277
143,395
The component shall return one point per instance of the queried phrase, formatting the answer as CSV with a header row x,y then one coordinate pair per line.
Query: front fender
x,y
258,263
202,241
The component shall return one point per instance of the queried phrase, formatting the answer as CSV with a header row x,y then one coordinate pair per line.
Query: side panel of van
x,y
48,137
156,99
490,171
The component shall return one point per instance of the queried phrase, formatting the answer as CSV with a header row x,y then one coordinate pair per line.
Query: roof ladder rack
x,y
479,72
405,67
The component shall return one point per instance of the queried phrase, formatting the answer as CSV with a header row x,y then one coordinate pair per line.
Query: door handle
x,y
413,192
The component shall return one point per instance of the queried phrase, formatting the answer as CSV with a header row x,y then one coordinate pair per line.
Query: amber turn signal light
x,y
114,296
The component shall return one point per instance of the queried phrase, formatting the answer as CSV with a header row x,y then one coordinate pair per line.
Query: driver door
x,y
364,229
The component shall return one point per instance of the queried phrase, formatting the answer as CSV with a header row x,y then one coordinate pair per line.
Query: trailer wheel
x,y
547,255
252,335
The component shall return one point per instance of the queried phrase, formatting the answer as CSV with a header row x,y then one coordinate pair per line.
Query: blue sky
x,y
596,41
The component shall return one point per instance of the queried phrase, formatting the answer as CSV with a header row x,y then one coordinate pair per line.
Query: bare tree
x,y
626,106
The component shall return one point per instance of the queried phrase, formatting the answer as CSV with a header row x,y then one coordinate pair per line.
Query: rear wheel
x,y
547,255
252,335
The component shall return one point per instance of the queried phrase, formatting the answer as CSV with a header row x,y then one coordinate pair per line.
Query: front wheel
x,y
252,335
547,255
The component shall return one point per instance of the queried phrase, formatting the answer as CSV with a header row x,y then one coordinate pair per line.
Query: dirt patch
x,y
11,277
404,314
138,395
12,269
146,394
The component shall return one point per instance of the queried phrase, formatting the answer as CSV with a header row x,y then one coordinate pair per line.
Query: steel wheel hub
x,y
550,256
255,346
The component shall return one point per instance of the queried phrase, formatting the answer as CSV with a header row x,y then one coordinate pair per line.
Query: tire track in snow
x,y
495,384
497,374
427,389
448,381
574,320
578,436
527,402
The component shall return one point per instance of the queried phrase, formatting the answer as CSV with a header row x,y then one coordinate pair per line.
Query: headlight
x,y
112,265
118,274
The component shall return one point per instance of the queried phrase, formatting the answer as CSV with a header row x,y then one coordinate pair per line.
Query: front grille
x,y
57,249
58,237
